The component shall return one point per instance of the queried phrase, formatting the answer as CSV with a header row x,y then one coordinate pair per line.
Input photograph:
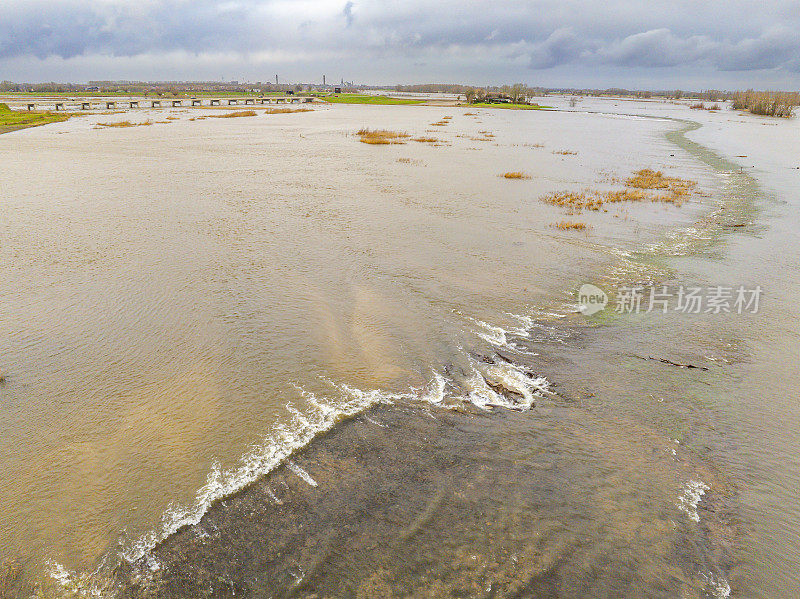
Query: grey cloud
x,y
562,46
656,48
573,34
777,46
348,13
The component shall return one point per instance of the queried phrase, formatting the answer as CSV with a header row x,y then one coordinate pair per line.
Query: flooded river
x,y
256,357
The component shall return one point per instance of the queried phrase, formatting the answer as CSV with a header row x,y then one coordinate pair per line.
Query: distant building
x,y
337,90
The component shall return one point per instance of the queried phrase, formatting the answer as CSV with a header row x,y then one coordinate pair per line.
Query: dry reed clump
x,y
233,115
649,179
427,140
173,118
565,153
516,175
568,225
701,106
381,136
439,124
470,114
780,104
673,190
123,124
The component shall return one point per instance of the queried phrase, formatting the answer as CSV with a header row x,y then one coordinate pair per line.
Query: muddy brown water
x,y
188,305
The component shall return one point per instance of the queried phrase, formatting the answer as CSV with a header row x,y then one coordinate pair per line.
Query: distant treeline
x,y
780,104
162,88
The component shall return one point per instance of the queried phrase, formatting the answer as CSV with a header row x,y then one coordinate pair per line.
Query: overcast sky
x,y
638,44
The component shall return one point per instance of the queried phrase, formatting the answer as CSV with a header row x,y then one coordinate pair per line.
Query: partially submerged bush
x,y
516,175
780,104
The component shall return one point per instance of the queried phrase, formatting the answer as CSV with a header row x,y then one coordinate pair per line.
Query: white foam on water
x,y
73,584
301,473
299,428
718,585
285,439
434,392
688,501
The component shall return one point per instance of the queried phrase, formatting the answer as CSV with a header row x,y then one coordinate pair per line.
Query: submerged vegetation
x,y
286,110
381,136
568,225
638,188
124,124
780,104
232,115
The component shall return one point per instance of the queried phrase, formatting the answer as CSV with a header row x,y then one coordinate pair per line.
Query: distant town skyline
x,y
574,43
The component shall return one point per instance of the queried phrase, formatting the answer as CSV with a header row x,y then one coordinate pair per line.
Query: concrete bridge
x,y
191,102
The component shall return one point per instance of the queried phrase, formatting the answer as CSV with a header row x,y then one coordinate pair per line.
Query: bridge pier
x,y
249,101
196,102
86,105
176,103
214,103
133,104
31,106
110,105
59,105
232,101
155,103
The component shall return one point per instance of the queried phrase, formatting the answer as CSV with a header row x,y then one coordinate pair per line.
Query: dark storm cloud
x,y
512,34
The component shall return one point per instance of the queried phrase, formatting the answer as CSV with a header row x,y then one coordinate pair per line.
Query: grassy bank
x,y
12,120
367,99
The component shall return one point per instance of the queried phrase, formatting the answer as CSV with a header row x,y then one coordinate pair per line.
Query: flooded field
x,y
257,357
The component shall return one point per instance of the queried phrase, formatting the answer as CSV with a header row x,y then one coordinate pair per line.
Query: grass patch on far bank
x,y
11,120
367,99
509,106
